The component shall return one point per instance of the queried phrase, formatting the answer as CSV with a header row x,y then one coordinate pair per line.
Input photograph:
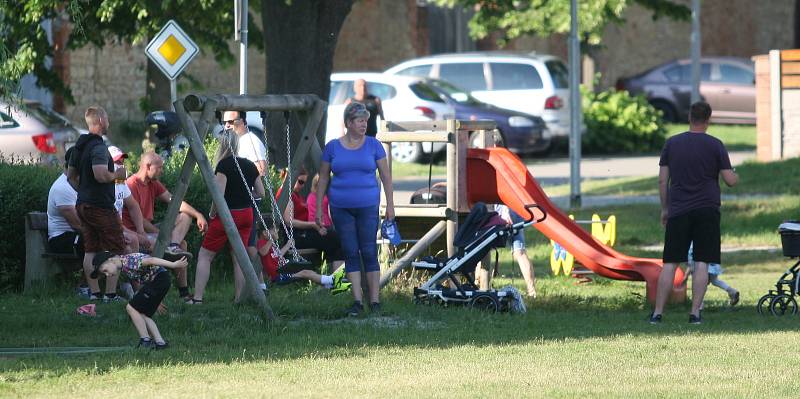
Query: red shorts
x,y
216,239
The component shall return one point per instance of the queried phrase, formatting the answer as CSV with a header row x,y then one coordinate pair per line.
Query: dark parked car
x,y
726,83
521,133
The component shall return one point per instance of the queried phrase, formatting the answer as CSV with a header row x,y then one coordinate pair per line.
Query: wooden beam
x,y
435,211
790,68
223,212
483,124
415,137
790,81
271,102
413,126
790,55
414,252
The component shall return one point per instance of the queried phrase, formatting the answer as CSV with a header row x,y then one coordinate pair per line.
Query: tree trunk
x,y
158,95
300,40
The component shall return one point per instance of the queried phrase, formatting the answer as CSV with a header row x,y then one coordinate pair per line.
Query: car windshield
x,y
47,115
456,94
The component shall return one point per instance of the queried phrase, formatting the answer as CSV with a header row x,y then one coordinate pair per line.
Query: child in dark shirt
x,y
152,274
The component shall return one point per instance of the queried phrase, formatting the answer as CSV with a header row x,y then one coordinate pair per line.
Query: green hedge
x,y
616,122
23,188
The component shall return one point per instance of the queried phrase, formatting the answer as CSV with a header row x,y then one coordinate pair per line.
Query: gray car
x,y
33,133
726,83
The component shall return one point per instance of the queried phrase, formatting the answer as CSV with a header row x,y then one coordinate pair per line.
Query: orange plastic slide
x,y
495,175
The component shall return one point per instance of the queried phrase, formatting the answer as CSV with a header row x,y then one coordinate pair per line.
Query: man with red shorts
x,y
91,172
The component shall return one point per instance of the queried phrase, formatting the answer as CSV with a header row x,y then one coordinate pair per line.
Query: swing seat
x,y
294,266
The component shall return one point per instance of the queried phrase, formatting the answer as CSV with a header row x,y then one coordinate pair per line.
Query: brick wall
x,y
378,34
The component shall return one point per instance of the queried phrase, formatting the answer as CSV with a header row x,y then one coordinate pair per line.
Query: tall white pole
x,y
574,110
695,51
173,91
243,7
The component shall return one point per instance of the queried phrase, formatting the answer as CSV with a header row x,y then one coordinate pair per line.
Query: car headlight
x,y
520,121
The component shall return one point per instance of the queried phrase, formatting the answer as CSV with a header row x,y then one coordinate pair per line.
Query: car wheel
x,y
668,113
405,152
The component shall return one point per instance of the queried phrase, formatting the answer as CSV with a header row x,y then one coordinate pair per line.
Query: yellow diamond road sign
x,y
171,50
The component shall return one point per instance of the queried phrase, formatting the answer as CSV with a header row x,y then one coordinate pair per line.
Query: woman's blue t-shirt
x,y
354,184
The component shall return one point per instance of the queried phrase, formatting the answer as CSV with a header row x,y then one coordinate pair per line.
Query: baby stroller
x,y
780,301
481,232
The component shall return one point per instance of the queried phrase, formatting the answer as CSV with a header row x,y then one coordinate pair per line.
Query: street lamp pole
x,y
695,51
574,110
241,36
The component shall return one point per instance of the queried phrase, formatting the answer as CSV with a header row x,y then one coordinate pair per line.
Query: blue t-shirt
x,y
694,161
354,184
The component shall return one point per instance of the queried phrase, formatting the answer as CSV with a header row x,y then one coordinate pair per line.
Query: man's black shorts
x,y
700,226
151,294
69,242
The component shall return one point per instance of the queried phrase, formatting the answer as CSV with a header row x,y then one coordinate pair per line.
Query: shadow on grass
x,y
310,324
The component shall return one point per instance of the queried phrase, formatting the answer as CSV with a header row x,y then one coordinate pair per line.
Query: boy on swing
x,y
271,259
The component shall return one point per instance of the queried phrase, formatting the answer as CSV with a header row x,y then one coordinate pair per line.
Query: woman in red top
x,y
307,234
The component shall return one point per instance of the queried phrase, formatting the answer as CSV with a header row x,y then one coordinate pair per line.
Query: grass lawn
x,y
735,137
589,339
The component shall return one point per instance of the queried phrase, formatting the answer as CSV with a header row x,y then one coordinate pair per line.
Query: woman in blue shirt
x,y
354,197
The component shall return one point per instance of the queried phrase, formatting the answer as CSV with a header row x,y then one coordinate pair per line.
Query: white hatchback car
x,y
404,98
535,84
31,132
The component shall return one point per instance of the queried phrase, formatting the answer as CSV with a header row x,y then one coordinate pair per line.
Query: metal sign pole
x,y
695,51
574,110
242,47
173,92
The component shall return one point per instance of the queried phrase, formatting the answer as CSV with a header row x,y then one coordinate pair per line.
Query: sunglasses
x,y
232,121
301,181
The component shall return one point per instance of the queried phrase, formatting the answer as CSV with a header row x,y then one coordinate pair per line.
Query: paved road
x,y
556,171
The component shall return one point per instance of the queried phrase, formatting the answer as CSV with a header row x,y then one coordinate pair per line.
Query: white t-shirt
x,y
251,147
61,194
121,191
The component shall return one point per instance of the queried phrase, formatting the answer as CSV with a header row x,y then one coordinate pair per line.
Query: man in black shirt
x,y
691,164
91,173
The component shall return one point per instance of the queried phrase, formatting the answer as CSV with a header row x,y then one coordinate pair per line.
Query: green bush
x,y
616,122
23,188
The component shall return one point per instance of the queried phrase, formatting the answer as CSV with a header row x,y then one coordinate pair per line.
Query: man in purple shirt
x,y
688,181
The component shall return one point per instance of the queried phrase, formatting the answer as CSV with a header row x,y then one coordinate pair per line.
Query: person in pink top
x,y
311,202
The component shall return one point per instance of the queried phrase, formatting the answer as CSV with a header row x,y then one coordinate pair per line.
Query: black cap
x,y
99,259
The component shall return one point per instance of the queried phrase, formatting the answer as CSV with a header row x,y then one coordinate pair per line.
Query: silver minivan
x,y
535,84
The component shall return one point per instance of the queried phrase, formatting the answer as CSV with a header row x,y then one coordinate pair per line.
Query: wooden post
x,y
182,185
452,186
413,252
196,146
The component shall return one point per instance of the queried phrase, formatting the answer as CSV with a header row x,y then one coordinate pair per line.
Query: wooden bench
x,y
40,263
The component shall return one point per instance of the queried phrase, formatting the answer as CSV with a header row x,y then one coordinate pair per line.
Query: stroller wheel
x,y
485,302
783,304
763,304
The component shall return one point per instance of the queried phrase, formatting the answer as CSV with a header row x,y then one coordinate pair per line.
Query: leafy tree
x,y
514,18
96,22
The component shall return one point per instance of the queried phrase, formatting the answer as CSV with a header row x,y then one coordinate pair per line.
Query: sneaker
x,y
160,346
734,298
116,298
355,309
375,308
175,252
285,278
84,292
340,283
145,343
695,319
93,297
655,318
